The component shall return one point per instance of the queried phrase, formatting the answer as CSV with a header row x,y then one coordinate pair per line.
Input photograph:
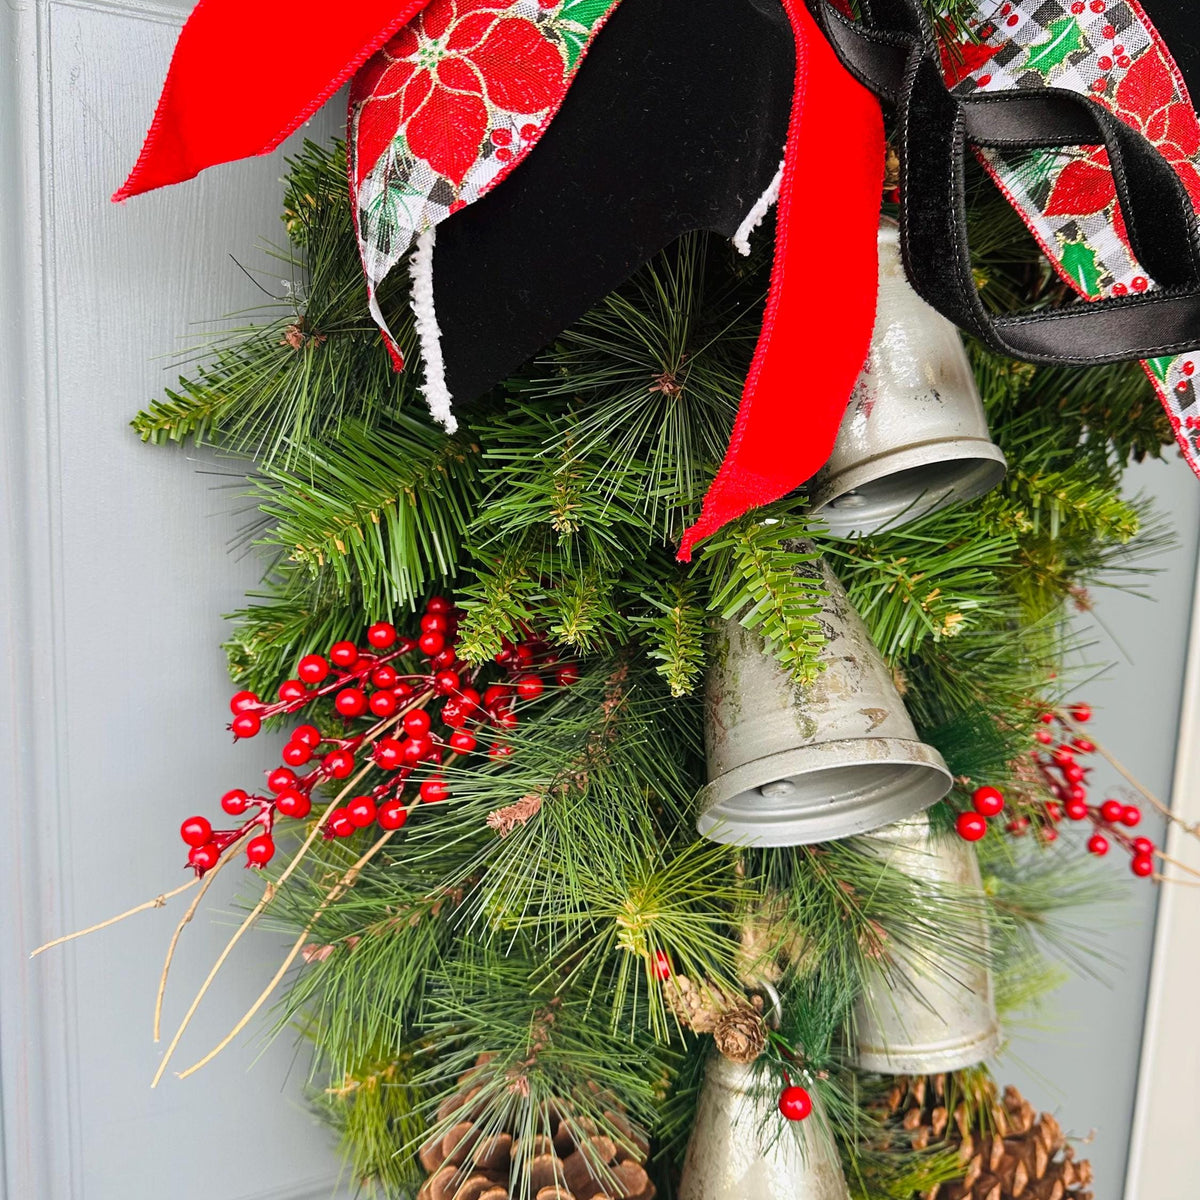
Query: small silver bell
x,y
930,1013
789,765
914,438
741,1148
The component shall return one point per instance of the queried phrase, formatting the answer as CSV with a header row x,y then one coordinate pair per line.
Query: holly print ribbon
x,y
1110,50
443,112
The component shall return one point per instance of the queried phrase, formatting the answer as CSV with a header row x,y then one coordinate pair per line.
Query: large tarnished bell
x,y
930,1012
914,438
742,1149
790,764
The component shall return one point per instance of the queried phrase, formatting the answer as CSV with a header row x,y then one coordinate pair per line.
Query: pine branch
x,y
674,629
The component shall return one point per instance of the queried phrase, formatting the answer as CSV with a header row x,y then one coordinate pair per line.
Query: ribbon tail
x,y
820,309
222,101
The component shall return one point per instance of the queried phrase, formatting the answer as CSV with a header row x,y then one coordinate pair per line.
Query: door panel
x,y
117,568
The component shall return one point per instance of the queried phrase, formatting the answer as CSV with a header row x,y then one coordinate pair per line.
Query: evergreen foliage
x,y
556,508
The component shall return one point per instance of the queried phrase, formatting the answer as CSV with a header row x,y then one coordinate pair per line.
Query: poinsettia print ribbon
x,y
441,114
1110,50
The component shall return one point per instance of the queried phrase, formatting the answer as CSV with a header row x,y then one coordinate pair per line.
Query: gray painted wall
x,y
1081,1062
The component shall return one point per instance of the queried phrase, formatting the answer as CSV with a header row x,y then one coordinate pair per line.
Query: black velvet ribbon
x,y
892,51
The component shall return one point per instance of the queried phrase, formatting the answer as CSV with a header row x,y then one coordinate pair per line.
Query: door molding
x,y
1164,1150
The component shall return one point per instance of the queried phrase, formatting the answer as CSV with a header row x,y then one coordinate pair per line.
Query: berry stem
x,y
208,877
346,882
157,902
268,893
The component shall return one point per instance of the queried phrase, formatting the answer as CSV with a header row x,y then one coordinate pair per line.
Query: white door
x,y
115,572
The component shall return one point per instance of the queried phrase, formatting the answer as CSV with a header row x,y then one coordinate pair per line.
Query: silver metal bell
x,y
789,765
930,1012
914,438
742,1149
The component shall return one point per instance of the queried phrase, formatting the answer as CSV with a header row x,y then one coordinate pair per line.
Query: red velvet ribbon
x,y
218,104
820,310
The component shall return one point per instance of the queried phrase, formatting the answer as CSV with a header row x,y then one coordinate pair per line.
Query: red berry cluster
x,y
366,684
1057,769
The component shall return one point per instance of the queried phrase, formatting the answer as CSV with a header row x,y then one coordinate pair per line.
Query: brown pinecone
x,y
1008,1151
741,1034
572,1159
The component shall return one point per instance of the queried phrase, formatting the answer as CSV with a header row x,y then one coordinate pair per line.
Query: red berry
x,y
462,742
246,725
281,778
1077,7
1046,718
402,691
1082,712
438,604
1077,810
195,831
1077,792
567,674
361,811
1104,62
500,751
1142,865
505,654
385,676
1097,844
1054,812
470,700
446,682
1083,745
987,801
416,722
662,965
1044,736
260,850
235,802
339,824
1049,833
244,702
312,668
381,635
1073,773
339,763
445,661
310,735
529,687
453,715
296,754
431,643
1131,815
292,690
1112,811
1064,756
389,754
971,826
435,623
1097,6
496,694
351,702
204,857
343,654
1017,826
523,654
294,804
795,1103
434,791
383,704
1143,845
505,718
392,814
413,749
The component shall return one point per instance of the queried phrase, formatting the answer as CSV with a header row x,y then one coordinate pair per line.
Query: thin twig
x,y
251,917
183,921
157,902
346,882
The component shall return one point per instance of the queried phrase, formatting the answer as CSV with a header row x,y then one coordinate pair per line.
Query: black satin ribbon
x,y
894,53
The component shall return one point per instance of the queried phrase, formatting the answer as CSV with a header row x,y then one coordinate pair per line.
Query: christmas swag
x,y
610,875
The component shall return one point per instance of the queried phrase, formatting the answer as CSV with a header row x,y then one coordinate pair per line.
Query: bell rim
x,y
821,823
828,487
930,1058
